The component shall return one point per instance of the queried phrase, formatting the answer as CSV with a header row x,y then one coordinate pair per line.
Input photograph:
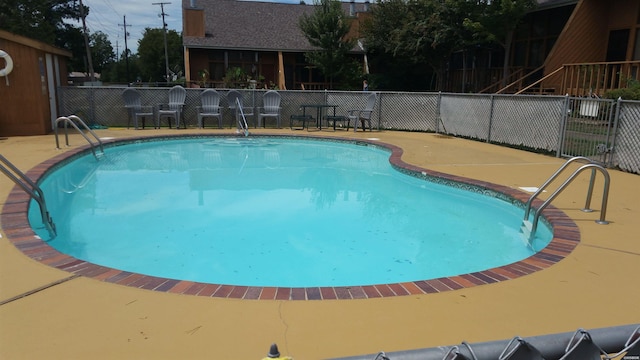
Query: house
x,y
260,40
29,91
576,47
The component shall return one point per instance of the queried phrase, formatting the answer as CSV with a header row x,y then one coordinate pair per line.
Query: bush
x,y
631,92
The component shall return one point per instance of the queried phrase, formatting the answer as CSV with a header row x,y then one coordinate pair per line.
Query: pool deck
x,y
56,315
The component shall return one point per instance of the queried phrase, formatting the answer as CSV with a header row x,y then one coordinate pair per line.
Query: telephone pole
x,y
164,30
126,49
86,42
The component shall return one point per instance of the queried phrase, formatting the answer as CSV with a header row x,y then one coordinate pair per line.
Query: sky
x,y
108,16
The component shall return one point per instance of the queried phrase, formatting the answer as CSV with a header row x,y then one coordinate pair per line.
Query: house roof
x,y
546,4
251,25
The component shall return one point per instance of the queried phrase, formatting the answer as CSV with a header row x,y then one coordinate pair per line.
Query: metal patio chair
x,y
210,107
271,108
173,109
135,110
363,115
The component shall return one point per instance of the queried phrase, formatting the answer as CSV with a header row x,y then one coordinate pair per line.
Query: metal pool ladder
x,y
72,119
241,124
30,188
530,227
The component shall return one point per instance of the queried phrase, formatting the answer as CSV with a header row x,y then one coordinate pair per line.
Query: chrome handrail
x,y
605,194
554,176
70,120
239,111
30,188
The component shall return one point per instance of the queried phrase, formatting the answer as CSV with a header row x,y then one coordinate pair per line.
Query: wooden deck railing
x,y
596,79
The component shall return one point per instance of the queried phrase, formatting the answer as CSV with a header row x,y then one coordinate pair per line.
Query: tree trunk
x,y
507,55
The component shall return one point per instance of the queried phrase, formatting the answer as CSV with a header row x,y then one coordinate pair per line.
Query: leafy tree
x,y
101,51
48,21
41,20
381,38
419,32
327,29
497,22
151,54
116,72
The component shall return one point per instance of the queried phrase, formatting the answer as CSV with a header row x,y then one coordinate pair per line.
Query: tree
x,y
48,21
101,51
497,23
381,38
41,20
151,54
327,29
418,32
116,72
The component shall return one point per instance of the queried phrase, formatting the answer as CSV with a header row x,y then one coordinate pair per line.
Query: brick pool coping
x,y
15,224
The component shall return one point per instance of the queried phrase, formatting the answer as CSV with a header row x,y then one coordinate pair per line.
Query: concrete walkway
x,y
55,316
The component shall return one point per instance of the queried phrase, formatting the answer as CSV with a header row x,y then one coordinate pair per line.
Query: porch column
x,y
187,67
281,84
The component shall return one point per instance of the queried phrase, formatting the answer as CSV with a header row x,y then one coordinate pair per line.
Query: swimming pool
x,y
260,212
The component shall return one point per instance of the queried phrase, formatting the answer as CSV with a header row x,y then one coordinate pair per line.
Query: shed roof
x,y
252,25
23,40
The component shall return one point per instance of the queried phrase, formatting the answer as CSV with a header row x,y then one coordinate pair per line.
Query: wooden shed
x,y
28,93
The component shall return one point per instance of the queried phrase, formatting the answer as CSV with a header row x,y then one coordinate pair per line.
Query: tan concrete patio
x,y
74,318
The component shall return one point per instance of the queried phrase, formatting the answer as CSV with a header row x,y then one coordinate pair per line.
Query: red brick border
x,y
15,224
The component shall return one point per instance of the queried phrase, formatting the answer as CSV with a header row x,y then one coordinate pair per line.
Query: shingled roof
x,y
252,25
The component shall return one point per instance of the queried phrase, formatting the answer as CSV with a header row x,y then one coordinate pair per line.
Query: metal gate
x,y
589,129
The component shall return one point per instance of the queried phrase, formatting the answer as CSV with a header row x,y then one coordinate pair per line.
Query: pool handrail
x,y
72,119
605,195
31,188
527,209
239,111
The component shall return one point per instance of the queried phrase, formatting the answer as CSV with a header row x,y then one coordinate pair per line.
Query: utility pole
x,y
86,42
164,30
126,49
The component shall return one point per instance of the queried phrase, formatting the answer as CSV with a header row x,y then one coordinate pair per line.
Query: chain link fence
x,y
604,130
626,143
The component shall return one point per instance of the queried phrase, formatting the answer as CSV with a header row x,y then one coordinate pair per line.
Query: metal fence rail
x,y
604,130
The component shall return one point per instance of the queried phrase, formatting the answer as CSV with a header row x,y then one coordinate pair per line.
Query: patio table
x,y
319,110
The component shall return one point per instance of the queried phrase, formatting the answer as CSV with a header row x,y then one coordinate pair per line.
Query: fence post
x,y
491,97
438,114
380,122
614,135
563,124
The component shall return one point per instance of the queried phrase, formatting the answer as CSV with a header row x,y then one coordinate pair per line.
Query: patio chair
x,y
232,96
173,109
134,107
271,108
210,107
363,115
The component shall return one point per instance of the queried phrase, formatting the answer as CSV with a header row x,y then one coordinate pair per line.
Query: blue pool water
x,y
273,212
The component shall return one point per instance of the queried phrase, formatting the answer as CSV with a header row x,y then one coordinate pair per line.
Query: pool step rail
x,y
593,166
242,120
74,120
30,187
